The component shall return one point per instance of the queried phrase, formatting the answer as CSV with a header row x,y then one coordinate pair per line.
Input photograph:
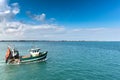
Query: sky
x,y
90,20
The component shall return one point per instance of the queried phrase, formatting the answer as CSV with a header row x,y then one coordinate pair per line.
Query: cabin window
x,y
38,50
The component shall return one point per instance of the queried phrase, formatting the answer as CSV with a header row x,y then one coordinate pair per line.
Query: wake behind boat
x,y
12,56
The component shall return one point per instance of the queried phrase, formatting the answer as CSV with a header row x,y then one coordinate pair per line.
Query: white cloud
x,y
17,30
15,9
6,11
87,29
7,27
92,34
42,31
13,28
40,17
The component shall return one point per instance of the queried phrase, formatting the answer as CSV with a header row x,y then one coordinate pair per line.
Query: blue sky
x,y
74,13
60,19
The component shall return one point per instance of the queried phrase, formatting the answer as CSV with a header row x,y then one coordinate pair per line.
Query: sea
x,y
66,60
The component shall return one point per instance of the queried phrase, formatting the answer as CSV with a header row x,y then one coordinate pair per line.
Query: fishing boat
x,y
13,57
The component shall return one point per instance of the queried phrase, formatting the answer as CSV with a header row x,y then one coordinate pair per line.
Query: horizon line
x,y
59,40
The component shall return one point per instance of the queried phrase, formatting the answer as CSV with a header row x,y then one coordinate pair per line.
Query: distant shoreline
x,y
53,41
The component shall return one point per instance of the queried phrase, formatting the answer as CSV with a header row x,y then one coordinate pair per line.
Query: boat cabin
x,y
35,52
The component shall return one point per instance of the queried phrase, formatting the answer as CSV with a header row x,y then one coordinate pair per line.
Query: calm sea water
x,y
66,61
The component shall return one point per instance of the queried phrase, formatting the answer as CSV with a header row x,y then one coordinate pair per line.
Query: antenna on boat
x,y
11,46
